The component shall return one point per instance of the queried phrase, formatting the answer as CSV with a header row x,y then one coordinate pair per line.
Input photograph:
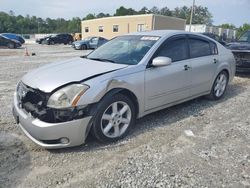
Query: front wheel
x,y
114,118
11,46
219,86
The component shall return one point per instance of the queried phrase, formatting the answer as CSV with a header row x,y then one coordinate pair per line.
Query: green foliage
x,y
201,14
32,24
245,27
122,11
9,23
227,26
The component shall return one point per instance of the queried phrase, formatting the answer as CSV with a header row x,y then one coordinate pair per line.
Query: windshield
x,y
124,49
245,37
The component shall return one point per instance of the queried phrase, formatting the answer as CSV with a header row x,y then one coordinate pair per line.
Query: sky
x,y
236,12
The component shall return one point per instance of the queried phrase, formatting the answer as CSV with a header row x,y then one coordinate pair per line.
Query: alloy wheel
x,y
220,85
116,119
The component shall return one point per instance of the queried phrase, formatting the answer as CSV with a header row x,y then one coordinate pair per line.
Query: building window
x,y
100,28
86,29
140,27
115,28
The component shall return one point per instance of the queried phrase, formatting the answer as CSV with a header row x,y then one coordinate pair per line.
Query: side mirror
x,y
161,61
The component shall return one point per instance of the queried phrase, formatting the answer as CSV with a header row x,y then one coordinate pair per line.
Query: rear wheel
x,y
219,86
114,118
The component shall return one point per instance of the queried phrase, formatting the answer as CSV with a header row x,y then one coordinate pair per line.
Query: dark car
x,y
14,37
42,40
215,37
9,43
241,51
89,43
59,39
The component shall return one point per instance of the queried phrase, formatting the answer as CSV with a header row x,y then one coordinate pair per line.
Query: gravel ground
x,y
200,143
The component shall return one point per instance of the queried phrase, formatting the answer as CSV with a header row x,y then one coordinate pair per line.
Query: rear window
x,y
214,48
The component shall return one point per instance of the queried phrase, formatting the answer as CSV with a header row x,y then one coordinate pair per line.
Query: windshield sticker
x,y
149,38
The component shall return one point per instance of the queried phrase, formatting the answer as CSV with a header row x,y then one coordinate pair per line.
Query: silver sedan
x,y
130,76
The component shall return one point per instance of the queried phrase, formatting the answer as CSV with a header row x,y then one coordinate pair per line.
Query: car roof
x,y
160,33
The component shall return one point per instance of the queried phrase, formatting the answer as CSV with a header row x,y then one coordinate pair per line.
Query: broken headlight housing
x,y
67,96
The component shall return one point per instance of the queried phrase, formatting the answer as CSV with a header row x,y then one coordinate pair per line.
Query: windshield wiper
x,y
101,59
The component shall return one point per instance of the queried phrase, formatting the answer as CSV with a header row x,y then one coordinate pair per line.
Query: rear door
x,y
204,61
167,84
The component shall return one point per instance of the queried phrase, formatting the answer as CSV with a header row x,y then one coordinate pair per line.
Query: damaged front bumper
x,y
242,58
52,135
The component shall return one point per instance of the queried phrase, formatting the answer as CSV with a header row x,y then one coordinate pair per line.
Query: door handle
x,y
186,67
215,60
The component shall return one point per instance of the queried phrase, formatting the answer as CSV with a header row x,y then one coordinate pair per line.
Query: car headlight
x,y
67,96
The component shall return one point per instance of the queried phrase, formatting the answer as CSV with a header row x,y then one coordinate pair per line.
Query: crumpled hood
x,y
239,46
51,76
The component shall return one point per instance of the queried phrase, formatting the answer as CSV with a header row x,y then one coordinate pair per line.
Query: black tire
x,y
213,93
83,47
11,45
98,126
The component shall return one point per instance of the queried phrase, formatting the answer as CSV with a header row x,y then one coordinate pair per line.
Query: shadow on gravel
x,y
159,119
243,75
14,160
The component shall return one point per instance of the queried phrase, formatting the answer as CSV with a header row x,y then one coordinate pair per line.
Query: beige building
x,y
118,25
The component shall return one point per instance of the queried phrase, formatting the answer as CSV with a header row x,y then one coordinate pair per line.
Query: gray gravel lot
x,y
161,151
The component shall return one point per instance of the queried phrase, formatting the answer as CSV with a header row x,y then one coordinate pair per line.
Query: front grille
x,y
31,100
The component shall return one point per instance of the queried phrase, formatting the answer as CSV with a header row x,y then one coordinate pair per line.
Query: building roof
x,y
133,16
160,33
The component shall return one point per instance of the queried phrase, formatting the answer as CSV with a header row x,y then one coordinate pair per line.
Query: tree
x,y
242,29
122,11
165,11
144,10
201,14
89,17
227,26
102,15
155,10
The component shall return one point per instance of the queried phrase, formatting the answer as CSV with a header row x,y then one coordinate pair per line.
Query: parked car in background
x,y
89,43
63,38
14,37
126,78
215,37
241,51
9,43
42,40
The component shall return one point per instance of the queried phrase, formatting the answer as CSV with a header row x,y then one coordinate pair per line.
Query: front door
x,y
167,84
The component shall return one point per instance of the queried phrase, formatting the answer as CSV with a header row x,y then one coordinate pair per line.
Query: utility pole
x,y
191,16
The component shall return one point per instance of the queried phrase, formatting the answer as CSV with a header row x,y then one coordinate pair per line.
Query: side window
x,y
115,28
214,48
199,48
100,28
175,49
